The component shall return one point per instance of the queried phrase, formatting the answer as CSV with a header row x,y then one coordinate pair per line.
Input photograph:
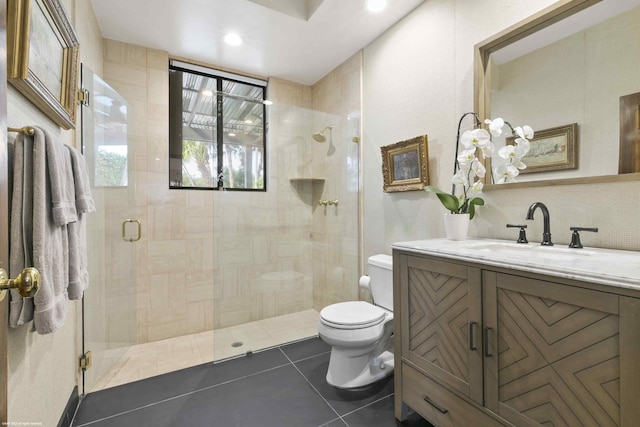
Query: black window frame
x,y
175,121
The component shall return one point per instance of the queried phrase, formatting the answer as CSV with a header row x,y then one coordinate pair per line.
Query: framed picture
x,y
552,149
42,57
405,165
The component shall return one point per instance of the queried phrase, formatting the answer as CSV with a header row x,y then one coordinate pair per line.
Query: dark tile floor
x,y
280,387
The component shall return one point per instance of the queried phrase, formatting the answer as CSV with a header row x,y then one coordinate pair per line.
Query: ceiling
x,y
296,40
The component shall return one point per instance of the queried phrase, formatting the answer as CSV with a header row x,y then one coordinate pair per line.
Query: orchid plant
x,y
468,169
512,153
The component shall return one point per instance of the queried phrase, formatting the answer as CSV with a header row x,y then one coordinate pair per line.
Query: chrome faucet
x,y
546,234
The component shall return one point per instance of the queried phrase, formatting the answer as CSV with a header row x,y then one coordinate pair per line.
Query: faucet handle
x,y
575,237
522,237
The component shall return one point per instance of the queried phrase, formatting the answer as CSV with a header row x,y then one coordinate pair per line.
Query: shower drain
x,y
237,344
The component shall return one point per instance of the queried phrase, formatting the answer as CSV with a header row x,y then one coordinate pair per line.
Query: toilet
x,y
361,334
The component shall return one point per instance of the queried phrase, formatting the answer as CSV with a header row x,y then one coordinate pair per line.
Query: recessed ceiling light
x,y
231,134
207,92
232,39
248,122
376,5
267,102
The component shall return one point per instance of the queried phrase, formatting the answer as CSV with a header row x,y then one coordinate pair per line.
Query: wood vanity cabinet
x,y
484,346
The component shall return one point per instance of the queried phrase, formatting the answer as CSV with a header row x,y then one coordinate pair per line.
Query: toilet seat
x,y
352,315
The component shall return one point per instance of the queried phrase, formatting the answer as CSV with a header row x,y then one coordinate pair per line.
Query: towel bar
x,y
27,282
26,130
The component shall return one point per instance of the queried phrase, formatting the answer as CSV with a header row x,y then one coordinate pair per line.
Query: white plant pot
x,y
456,226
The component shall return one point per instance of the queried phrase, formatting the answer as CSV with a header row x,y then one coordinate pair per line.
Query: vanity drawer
x,y
446,409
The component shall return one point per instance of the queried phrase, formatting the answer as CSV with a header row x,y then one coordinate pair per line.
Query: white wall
x,y
418,79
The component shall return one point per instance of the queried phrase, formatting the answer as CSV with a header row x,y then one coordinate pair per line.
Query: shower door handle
x,y
124,230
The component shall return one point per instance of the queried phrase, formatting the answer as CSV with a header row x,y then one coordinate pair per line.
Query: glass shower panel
x,y
109,305
281,256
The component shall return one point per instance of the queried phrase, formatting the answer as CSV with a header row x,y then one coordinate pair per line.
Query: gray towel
x,y
50,251
20,310
82,185
63,193
78,274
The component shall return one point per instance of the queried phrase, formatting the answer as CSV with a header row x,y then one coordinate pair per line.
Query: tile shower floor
x,y
155,358
280,387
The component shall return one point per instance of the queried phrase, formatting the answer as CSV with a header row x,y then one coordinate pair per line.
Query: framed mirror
x,y
572,64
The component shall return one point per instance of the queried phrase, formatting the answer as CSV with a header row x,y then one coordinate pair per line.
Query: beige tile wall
x,y
217,259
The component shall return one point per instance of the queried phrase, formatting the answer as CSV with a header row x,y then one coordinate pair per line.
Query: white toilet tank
x,y
380,269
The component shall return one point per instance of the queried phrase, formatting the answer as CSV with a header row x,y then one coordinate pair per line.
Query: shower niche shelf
x,y
309,190
306,180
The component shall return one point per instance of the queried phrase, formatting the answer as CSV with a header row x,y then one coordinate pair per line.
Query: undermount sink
x,y
519,249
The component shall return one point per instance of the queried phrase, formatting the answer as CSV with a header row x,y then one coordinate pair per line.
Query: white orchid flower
x,y
524,144
466,139
477,187
488,149
476,137
506,173
478,168
495,126
507,152
524,132
521,151
520,165
460,178
466,157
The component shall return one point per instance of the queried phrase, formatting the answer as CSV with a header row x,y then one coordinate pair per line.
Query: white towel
x,y
50,251
78,274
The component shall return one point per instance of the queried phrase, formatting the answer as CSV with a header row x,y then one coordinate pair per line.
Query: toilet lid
x,y
352,315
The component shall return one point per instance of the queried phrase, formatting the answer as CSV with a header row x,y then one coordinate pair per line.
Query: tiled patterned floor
x,y
280,387
160,357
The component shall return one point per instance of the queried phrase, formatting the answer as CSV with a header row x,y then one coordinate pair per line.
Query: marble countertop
x,y
604,266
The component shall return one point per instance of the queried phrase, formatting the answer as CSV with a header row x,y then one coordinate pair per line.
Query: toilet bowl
x,y
361,334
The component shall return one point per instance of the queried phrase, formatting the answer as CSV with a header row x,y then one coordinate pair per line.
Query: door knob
x,y
27,282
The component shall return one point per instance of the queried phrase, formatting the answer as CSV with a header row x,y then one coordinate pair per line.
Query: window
x,y
216,129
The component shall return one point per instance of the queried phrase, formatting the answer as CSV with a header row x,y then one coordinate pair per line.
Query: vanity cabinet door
x,y
440,315
560,355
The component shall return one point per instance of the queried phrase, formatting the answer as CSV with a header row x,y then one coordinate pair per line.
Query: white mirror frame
x,y
482,81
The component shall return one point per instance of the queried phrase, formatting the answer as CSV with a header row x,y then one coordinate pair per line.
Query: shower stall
x,y
182,277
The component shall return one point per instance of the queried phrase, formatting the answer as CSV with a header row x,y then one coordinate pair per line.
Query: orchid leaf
x,y
472,206
449,201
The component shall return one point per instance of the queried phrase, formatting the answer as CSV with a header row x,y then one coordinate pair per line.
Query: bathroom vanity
x,y
494,333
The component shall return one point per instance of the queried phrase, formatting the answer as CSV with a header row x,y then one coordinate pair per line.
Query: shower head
x,y
319,136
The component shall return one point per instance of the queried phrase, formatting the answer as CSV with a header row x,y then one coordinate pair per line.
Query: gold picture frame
x,y
42,57
552,149
405,165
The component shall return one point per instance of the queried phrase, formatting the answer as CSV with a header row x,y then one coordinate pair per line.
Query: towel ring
x,y
27,282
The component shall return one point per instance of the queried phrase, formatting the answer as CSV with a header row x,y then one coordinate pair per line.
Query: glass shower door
x,y
109,304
